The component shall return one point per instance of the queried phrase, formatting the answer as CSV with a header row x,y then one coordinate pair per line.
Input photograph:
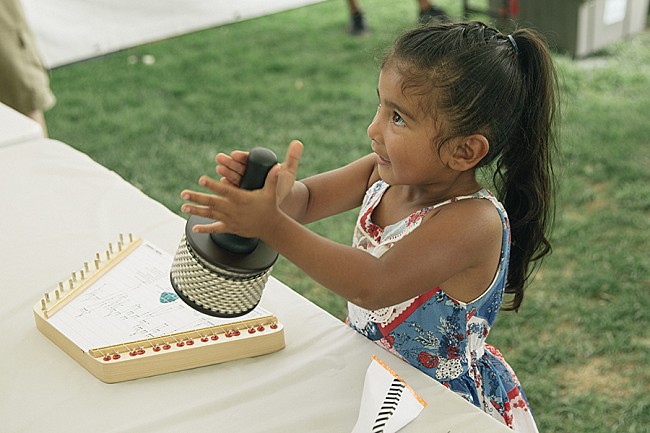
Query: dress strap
x,y
481,194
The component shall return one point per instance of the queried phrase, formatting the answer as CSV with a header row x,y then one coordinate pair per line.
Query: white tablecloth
x,y
58,207
16,128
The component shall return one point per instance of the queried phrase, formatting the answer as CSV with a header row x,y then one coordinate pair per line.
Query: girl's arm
x,y
332,192
456,248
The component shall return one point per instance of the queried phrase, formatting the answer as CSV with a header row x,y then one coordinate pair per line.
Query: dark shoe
x,y
433,14
358,25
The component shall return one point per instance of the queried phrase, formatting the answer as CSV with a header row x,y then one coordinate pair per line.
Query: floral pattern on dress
x,y
439,335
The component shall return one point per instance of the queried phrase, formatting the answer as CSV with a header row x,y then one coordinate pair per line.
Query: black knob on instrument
x,y
260,162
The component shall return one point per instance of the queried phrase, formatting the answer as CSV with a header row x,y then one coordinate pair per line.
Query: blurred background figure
x,y
24,81
428,12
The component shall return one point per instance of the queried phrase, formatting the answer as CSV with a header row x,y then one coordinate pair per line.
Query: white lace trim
x,y
360,317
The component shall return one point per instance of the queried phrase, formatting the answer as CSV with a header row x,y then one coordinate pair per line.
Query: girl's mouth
x,y
381,160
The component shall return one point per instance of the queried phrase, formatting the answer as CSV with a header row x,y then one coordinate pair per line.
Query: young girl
x,y
433,251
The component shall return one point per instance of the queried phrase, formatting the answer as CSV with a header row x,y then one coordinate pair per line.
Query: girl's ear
x,y
468,151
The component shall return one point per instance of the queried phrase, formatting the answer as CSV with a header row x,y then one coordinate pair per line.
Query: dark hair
x,y
504,88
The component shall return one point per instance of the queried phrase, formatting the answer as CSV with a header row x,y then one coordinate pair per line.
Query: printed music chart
x,y
134,301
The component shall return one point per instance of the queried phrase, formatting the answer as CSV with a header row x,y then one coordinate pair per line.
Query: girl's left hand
x,y
237,211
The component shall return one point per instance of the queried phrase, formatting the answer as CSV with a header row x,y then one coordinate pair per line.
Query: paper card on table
x,y
132,302
387,402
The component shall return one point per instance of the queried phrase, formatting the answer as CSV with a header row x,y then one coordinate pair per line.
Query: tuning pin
x,y
57,294
43,307
71,284
86,267
121,238
82,275
47,297
108,255
96,264
110,247
61,289
130,237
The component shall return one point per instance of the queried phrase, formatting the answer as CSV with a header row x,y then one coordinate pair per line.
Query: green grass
x,y
580,343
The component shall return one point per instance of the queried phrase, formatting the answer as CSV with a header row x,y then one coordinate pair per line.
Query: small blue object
x,y
167,297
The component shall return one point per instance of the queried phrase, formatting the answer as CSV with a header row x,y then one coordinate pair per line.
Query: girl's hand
x,y
288,170
245,213
232,168
237,211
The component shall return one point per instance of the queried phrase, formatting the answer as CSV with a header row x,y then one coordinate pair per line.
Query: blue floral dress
x,y
439,335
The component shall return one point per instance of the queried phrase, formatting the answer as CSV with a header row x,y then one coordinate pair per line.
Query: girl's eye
x,y
397,119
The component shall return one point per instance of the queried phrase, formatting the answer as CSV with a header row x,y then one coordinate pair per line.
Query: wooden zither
x,y
119,317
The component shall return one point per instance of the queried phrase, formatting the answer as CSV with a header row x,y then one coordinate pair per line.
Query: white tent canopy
x,y
68,31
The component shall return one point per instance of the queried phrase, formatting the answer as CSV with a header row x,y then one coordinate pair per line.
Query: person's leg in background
x,y
357,19
428,12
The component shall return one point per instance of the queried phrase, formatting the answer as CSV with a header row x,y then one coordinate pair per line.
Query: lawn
x,y
580,344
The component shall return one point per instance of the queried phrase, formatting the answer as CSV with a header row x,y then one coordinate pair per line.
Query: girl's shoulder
x,y
481,199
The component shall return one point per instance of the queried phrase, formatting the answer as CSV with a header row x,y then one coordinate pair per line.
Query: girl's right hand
x,y
232,168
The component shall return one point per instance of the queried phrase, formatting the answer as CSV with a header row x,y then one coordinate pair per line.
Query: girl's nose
x,y
373,128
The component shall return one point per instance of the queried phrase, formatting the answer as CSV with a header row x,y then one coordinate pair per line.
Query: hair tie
x,y
513,43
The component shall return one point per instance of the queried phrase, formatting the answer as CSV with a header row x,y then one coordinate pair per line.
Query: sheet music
x,y
133,301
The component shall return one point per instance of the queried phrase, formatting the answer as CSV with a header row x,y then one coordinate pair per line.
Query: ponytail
x,y
503,87
524,175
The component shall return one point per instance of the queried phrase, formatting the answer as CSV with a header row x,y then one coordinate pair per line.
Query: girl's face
x,y
403,137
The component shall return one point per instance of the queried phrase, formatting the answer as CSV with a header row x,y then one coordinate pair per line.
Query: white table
x,y
17,128
58,208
